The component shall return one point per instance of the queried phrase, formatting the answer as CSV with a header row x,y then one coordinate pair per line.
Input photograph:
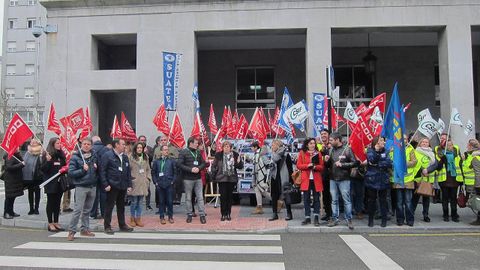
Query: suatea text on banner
x,y
171,64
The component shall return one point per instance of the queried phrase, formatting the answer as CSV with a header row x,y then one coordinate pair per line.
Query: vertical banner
x,y
318,110
171,71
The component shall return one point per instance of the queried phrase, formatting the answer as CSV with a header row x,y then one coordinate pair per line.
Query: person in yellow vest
x,y
471,172
404,208
324,147
449,179
426,166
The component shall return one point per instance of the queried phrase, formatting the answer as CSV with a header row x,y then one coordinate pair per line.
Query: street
x,y
37,249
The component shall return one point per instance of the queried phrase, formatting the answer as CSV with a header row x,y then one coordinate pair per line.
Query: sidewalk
x,y
242,221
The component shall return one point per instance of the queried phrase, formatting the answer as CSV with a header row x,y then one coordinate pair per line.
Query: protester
x,y
450,164
116,179
377,179
141,178
224,170
149,153
173,154
163,174
203,175
101,197
191,162
310,163
324,147
340,161
52,162
260,173
472,164
83,170
32,175
12,176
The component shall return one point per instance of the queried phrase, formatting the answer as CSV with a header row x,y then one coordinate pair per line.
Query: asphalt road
x,y
36,249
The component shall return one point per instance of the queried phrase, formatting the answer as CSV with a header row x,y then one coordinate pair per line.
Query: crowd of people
x,y
121,173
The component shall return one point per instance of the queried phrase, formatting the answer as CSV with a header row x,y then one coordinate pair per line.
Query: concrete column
x,y
456,81
318,53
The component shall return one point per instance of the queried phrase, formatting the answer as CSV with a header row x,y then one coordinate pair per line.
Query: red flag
x,y
358,148
116,132
160,120
335,117
266,127
16,134
242,128
87,125
361,109
53,124
270,124
127,130
212,121
275,127
231,131
74,120
378,101
198,130
176,133
256,128
224,127
65,148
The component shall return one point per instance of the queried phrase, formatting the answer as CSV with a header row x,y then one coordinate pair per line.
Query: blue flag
x,y
287,102
196,99
394,130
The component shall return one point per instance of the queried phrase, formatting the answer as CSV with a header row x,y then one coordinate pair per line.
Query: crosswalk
x,y
187,251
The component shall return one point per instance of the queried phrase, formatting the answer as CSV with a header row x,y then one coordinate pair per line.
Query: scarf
x,y
228,163
427,151
451,163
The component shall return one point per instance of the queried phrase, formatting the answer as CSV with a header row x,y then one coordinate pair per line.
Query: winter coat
x,y
115,172
377,175
141,176
80,177
172,152
186,162
304,158
345,156
169,172
476,168
32,173
13,176
261,165
217,169
282,168
99,149
50,168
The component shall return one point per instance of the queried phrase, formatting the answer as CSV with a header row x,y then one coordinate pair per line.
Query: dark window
x,y
115,52
255,87
353,81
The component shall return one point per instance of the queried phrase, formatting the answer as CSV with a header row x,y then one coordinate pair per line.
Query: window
x,y
40,119
32,2
29,93
12,23
29,69
28,117
31,22
13,3
255,87
10,93
353,82
11,70
30,46
11,46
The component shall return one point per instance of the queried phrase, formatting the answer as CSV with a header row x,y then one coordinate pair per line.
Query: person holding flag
x,y
12,176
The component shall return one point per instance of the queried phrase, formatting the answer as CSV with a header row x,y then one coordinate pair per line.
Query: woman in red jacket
x,y
310,163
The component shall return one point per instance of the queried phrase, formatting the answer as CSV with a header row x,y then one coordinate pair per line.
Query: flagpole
x,y
413,136
81,154
448,135
329,104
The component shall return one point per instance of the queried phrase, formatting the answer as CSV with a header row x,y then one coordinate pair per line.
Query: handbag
x,y
461,198
474,203
66,183
297,177
293,195
425,189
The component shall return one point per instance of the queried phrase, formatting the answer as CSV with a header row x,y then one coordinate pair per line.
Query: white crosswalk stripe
x,y
231,245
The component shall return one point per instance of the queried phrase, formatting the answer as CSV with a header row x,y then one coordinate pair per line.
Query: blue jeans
x,y
307,200
136,206
165,197
344,187
358,194
404,205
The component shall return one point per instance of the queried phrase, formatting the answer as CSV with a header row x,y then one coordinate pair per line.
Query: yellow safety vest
x,y
468,173
423,161
410,171
442,174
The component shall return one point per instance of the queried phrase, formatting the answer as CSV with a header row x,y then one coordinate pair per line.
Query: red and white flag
x,y
212,121
235,120
127,130
16,134
116,132
53,124
256,128
161,121
231,131
87,125
242,128
74,120
198,129
176,133
265,124
335,117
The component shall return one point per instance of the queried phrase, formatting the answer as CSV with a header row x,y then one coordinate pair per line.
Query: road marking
x,y
153,248
178,236
421,234
81,263
370,255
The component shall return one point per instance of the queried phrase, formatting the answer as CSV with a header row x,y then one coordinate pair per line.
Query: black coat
x,y
186,162
13,176
50,168
80,177
217,168
111,175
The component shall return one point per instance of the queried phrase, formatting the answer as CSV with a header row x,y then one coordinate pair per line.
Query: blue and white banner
x,y
171,74
196,98
318,110
287,102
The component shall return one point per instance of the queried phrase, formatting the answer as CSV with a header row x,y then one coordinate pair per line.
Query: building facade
x,y
108,55
22,62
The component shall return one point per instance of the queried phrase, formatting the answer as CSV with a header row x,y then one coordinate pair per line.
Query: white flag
x,y
422,115
350,114
296,114
377,115
455,118
468,128
428,127
336,94
440,126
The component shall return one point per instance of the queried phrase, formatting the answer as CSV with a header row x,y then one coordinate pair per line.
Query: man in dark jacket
x,y
98,150
163,175
116,181
191,162
340,162
83,170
